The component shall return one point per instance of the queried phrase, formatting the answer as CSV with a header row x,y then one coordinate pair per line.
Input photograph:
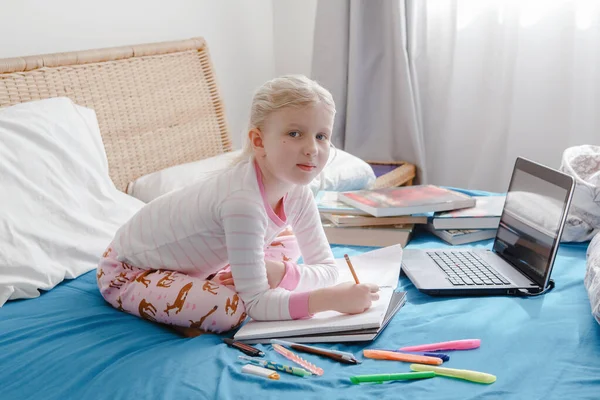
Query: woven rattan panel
x,y
158,105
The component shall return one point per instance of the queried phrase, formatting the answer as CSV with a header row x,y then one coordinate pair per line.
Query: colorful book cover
x,y
327,202
406,200
484,215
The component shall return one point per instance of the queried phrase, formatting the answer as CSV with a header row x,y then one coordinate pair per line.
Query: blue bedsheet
x,y
69,344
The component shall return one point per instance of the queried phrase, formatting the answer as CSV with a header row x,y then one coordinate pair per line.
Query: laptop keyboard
x,y
466,269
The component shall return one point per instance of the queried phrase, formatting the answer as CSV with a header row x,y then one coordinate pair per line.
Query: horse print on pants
x,y
232,305
180,300
170,297
141,278
198,324
119,281
147,310
127,266
210,287
167,280
106,253
277,244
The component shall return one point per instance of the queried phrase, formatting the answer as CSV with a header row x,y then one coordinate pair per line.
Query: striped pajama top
x,y
226,219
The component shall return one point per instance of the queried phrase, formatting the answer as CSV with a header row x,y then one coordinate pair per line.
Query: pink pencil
x,y
290,355
465,344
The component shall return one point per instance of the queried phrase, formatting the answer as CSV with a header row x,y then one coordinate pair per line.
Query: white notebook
x,y
381,266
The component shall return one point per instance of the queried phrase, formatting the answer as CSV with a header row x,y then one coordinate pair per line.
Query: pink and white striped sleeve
x,y
245,224
319,269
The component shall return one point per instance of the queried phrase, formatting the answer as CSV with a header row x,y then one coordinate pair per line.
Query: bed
x,y
69,344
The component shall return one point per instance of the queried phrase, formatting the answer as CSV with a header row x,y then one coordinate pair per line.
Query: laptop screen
x,y
532,219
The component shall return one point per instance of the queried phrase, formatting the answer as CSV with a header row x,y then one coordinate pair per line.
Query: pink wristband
x,y
299,305
291,277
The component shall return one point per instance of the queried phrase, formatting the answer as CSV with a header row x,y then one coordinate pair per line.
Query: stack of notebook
x,y
469,225
381,267
346,225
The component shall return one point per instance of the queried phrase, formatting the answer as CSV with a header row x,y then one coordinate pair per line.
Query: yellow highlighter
x,y
473,376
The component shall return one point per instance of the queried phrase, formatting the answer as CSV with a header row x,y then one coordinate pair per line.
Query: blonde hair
x,y
285,91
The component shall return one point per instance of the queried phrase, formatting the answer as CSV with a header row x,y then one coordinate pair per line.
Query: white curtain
x,y
490,80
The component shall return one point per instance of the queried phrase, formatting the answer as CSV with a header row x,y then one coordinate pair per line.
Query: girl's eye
x,y
294,134
321,136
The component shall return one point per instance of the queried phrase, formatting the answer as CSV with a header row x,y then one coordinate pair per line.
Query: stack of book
x,y
469,224
347,225
386,216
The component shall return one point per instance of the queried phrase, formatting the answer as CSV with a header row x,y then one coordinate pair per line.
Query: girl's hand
x,y
275,273
348,298
224,278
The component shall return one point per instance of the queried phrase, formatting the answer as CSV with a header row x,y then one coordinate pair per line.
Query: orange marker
x,y
391,355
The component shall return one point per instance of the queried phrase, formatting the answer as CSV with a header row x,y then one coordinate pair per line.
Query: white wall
x,y
239,35
293,29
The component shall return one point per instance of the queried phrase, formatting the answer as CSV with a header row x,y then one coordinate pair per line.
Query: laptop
x,y
525,246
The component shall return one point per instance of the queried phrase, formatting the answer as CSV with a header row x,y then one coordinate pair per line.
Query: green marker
x,y
379,378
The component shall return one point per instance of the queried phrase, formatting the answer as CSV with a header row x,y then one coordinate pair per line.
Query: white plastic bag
x,y
583,221
592,276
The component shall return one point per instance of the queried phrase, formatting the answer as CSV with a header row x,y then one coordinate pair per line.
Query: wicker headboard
x,y
157,104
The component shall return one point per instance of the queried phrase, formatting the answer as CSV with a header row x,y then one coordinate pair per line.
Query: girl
x,y
159,264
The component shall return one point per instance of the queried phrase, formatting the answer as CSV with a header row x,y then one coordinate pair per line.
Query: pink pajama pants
x,y
174,298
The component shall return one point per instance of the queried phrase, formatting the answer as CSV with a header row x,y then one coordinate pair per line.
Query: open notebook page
x,y
381,267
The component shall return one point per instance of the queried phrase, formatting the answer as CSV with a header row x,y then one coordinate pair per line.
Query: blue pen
x,y
444,357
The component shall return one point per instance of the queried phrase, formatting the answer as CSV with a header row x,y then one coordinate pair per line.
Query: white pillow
x,y
343,172
59,207
148,187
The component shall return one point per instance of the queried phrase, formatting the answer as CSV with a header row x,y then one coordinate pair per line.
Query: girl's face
x,y
296,143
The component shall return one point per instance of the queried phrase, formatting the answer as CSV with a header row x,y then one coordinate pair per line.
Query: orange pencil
x,y
351,269
391,355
